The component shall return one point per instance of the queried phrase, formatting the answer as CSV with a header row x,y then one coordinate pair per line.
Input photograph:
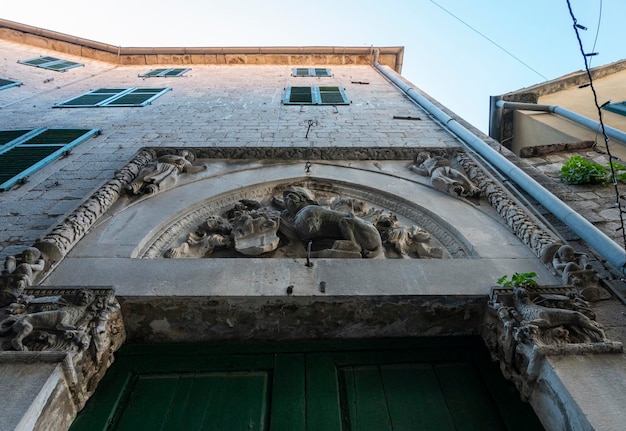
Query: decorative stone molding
x,y
523,326
84,325
540,240
56,244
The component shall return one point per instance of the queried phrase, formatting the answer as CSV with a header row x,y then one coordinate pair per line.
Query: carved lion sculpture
x,y
313,221
547,318
64,319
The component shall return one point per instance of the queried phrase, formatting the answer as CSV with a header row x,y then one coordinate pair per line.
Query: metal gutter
x,y
595,238
565,113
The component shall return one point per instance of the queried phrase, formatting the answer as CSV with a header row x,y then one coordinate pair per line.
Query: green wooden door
x,y
377,385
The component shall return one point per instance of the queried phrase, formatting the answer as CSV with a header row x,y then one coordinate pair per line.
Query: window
x,y
24,151
311,71
114,97
617,108
154,73
51,63
315,96
6,83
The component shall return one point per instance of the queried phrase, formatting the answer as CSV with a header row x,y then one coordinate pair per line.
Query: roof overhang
x,y
278,55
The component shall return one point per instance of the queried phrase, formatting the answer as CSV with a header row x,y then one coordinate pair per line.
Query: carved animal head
x,y
521,294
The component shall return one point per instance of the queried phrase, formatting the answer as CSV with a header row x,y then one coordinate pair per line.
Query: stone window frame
x,y
8,83
114,97
170,72
316,95
320,72
25,151
51,63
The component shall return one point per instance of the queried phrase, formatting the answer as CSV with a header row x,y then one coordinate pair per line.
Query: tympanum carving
x,y
523,325
295,223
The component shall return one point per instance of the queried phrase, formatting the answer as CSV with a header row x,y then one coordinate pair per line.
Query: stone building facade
x,y
253,203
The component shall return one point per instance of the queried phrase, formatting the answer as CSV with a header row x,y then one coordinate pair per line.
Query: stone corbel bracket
x,y
80,329
520,346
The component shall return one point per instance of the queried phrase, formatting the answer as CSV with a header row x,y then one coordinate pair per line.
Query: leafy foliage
x,y
525,279
578,170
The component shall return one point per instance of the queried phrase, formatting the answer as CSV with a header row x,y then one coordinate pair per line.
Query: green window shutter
x,y
616,108
333,96
315,96
153,72
114,97
51,63
137,97
26,151
7,83
165,72
298,95
322,72
311,71
175,72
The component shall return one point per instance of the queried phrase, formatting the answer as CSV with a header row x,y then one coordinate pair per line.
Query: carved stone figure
x,y
163,173
72,318
18,274
294,223
442,176
545,318
312,221
406,240
575,270
522,327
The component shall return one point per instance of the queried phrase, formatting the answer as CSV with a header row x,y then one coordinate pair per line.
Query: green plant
x,y
577,170
525,279
619,169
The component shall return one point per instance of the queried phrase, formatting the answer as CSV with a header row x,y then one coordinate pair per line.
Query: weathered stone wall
x,y
232,105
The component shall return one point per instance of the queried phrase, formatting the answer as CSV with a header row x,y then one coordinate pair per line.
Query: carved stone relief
x,y
523,325
297,223
443,176
575,270
162,173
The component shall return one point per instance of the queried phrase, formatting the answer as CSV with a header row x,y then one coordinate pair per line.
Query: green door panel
x,y
365,400
288,394
323,410
469,401
415,399
220,401
348,385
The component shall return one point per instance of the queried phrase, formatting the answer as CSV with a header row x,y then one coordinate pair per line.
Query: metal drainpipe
x,y
565,113
604,245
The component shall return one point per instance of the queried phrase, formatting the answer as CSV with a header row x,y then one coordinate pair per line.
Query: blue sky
x,y
443,56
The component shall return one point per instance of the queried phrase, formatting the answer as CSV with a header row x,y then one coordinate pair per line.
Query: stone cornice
x,y
278,55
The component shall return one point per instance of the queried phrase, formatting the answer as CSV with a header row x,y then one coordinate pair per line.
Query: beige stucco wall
x,y
537,128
